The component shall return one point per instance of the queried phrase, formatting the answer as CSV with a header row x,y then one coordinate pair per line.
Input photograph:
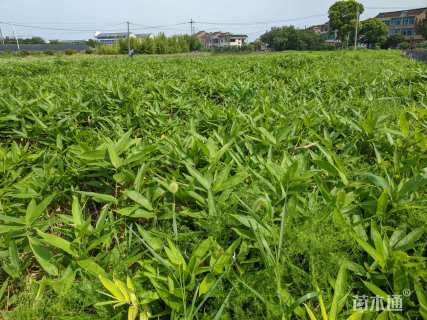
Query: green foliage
x,y
343,17
272,186
392,42
161,44
70,52
373,32
422,28
290,38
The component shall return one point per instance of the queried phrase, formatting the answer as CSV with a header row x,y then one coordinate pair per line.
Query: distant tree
x,y
34,40
393,41
343,18
373,32
290,38
92,43
195,44
422,28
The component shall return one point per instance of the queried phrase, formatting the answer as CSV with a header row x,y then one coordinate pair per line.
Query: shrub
x,y
104,49
23,53
49,53
89,51
404,45
422,45
70,52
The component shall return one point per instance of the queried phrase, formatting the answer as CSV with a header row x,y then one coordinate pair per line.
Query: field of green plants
x,y
264,186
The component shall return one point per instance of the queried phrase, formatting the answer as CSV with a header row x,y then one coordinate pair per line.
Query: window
x,y
408,32
409,20
395,21
387,22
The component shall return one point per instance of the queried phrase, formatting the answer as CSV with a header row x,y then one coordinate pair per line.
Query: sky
x,y
80,19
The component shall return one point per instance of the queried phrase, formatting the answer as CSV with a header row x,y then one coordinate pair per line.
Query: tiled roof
x,y
393,14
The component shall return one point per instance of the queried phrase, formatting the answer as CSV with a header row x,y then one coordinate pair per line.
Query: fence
x,y
416,54
44,47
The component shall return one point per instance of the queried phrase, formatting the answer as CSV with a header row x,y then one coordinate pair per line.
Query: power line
x,y
261,22
46,28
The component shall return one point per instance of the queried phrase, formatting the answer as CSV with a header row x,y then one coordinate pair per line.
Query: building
x,y
404,22
221,39
329,36
110,38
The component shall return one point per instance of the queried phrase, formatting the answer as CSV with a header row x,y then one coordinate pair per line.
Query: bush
x,y
404,45
104,49
422,45
23,53
49,53
161,44
393,41
70,52
89,51
291,38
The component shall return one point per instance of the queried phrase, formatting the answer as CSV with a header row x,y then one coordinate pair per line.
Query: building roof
x,y
111,35
219,34
396,14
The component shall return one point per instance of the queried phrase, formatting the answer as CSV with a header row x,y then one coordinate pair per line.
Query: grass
x,y
274,186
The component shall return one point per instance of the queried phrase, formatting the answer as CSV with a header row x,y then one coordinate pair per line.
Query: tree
x,y
343,17
373,32
290,38
422,28
393,41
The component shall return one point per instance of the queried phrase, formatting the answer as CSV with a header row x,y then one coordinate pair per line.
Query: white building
x,y
221,39
110,38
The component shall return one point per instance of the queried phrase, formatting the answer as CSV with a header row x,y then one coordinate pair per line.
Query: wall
x,y
44,47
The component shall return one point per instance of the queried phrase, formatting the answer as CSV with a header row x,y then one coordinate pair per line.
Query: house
x,y
221,39
329,36
404,22
110,38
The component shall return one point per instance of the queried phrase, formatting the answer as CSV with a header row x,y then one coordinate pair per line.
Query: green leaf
x,y
92,267
57,242
382,203
404,125
378,181
201,179
409,241
100,197
34,211
371,251
112,288
206,284
132,312
43,256
174,255
10,229
375,290
140,199
310,312
77,212
114,158
339,292
412,185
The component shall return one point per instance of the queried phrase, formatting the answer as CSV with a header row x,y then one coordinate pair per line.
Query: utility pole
x,y
357,26
128,36
2,37
17,40
192,26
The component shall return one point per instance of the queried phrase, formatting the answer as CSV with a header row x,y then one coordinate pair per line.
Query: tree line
x,y
343,20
